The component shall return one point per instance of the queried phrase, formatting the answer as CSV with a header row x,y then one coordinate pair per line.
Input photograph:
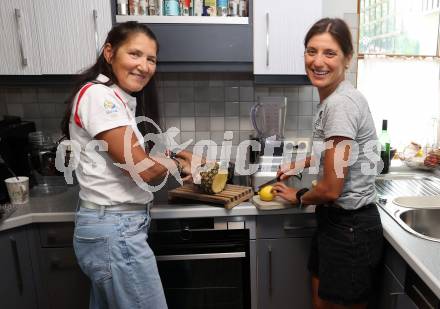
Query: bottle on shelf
x,y
385,146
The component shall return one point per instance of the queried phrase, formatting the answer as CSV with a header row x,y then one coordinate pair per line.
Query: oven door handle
x,y
203,256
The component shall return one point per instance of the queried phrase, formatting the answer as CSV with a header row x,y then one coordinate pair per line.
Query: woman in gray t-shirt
x,y
347,245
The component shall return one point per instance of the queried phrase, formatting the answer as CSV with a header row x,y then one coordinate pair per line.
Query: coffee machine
x,y
268,118
14,149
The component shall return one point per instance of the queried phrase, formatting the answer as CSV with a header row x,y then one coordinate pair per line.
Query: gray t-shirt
x,y
346,113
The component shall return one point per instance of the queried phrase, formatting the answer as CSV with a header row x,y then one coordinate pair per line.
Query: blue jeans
x,y
112,250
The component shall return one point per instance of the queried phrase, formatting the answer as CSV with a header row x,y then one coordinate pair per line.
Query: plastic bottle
x,y
385,145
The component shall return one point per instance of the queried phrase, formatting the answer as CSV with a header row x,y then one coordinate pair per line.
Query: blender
x,y
268,118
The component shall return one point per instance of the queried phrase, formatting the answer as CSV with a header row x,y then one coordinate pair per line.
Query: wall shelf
x,y
183,19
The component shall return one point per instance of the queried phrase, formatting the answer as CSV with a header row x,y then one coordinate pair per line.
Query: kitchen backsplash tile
x,y
305,108
172,109
305,93
171,94
201,94
187,124
15,109
232,108
186,94
47,110
217,123
201,105
232,94
187,109
201,109
203,124
246,94
216,94
217,109
232,123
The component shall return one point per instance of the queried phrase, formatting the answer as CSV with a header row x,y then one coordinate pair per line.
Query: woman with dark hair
x,y
113,212
347,245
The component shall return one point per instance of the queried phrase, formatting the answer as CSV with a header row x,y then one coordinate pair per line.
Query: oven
x,y
203,262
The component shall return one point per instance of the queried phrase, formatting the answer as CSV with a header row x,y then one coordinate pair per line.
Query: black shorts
x,y
345,254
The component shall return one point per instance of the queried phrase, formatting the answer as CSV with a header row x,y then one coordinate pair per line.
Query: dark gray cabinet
x,y
16,279
401,287
283,245
63,284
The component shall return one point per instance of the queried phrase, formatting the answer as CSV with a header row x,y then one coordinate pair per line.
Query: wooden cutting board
x,y
231,196
276,203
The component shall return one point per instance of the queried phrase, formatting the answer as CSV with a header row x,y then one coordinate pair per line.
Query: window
x,y
399,27
399,67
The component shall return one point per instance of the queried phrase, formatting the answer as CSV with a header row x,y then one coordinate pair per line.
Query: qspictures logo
x,y
165,143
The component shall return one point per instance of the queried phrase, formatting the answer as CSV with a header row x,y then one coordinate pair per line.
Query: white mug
x,y
18,189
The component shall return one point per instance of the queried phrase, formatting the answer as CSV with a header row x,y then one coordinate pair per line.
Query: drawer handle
x,y
17,264
267,39
270,270
18,20
62,264
203,256
95,27
299,228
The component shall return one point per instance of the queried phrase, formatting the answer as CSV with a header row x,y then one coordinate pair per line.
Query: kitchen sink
x,y
421,222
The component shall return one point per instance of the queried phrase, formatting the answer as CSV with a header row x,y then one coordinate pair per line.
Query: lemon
x,y
419,153
266,193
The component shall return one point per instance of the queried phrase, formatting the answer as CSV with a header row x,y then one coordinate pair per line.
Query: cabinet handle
x,y
270,270
422,296
17,265
95,27
394,296
298,228
24,60
203,256
267,39
66,263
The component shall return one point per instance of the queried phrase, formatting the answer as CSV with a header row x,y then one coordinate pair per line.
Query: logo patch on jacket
x,y
110,107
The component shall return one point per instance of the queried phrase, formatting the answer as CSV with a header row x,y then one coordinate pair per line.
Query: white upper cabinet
x,y
56,36
19,52
279,30
70,42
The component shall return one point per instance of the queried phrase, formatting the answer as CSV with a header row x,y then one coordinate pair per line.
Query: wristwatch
x,y
299,194
179,166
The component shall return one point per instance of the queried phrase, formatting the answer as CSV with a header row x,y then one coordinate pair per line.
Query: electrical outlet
x,y
297,145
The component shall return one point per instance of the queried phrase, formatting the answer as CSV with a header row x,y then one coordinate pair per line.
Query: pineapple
x,y
212,178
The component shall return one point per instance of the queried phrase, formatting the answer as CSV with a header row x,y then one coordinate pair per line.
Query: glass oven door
x,y
204,269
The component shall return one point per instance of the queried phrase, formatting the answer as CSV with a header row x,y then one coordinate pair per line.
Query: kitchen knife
x,y
277,179
272,181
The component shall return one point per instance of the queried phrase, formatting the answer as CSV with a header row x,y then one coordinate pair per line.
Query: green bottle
x,y
385,147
